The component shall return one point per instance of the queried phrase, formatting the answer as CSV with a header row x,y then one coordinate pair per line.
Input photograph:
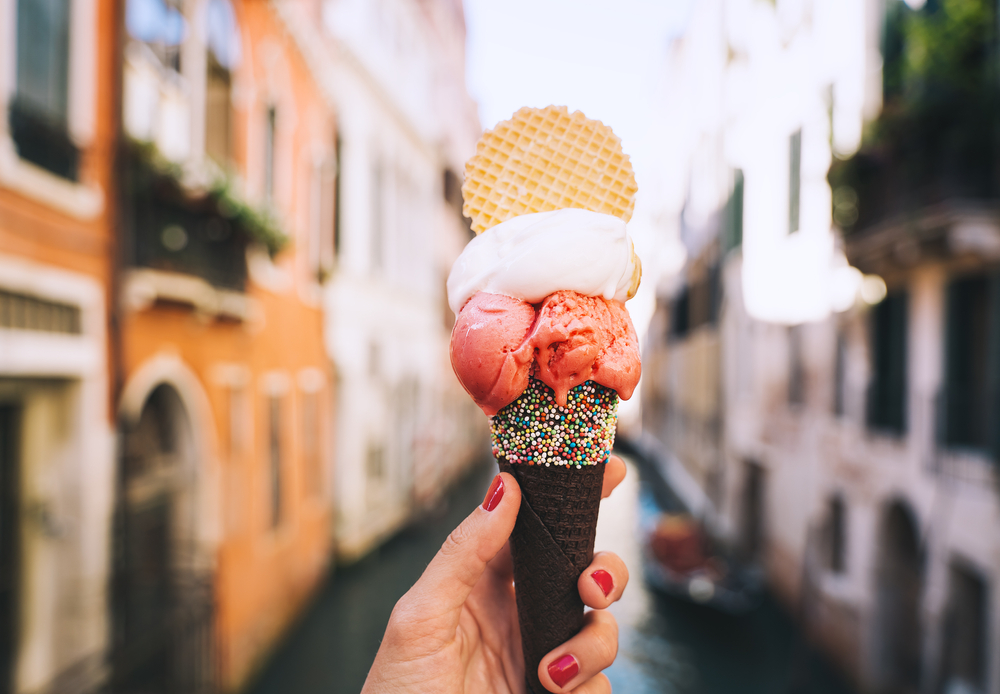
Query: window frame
x,y
795,181
82,199
881,413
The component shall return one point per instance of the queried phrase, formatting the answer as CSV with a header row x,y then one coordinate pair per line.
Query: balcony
x,y
927,175
942,153
170,228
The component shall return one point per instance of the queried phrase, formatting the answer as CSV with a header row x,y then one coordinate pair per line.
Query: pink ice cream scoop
x,y
489,351
499,342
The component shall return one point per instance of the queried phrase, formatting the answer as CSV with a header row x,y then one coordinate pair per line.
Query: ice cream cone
x,y
552,544
553,540
543,342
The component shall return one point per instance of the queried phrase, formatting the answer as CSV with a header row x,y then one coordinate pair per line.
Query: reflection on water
x,y
666,645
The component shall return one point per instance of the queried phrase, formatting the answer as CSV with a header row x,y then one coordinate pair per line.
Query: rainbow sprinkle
x,y
535,430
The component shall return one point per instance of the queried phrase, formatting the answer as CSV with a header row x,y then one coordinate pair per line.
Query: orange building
x,y
223,524
57,84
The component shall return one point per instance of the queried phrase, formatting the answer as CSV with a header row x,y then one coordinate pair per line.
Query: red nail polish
x,y
494,495
604,581
562,670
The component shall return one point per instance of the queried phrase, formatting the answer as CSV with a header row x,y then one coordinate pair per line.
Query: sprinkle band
x,y
535,430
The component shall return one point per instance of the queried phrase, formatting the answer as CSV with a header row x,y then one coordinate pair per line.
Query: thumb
x,y
459,564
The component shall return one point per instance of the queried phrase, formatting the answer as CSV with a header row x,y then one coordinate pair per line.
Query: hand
x,y
455,631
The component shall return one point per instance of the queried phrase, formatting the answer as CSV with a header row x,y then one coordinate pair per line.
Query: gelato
x,y
534,255
499,342
543,342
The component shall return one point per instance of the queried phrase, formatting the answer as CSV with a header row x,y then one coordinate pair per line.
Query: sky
x,y
597,56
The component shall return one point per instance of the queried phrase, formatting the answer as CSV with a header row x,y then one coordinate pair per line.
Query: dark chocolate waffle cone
x,y
552,543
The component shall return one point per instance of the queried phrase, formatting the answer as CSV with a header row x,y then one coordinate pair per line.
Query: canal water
x,y
666,645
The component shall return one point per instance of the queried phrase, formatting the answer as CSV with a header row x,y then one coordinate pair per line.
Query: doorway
x,y
752,532
899,587
162,605
10,512
965,631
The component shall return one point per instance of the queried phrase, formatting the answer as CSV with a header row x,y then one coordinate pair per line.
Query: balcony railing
x,y
936,140
173,229
918,157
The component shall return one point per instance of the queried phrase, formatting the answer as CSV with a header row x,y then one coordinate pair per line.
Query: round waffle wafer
x,y
547,159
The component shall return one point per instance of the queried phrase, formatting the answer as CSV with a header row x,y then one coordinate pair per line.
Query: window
x,y
160,25
237,431
24,312
831,104
374,360
155,96
38,114
274,458
270,132
224,55
836,535
839,374
236,440
218,112
971,363
796,368
794,179
378,216
733,231
223,33
311,442
698,303
680,315
324,236
375,461
322,213
337,196
887,389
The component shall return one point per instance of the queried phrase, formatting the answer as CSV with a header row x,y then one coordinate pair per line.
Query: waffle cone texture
x,y
552,544
546,159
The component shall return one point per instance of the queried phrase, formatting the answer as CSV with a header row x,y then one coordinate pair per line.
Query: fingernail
x,y
563,670
604,581
494,495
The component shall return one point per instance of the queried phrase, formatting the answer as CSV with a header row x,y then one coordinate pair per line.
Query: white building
x,y
396,71
825,419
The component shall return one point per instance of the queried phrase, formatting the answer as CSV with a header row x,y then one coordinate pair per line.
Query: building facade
x,y
225,227
56,433
406,126
225,416
821,368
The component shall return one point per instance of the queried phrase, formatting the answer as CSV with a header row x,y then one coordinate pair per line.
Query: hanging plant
x,y
221,196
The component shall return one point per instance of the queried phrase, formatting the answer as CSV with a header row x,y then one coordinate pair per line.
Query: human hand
x,y
456,632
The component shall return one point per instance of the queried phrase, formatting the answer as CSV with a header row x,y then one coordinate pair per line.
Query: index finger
x,y
614,473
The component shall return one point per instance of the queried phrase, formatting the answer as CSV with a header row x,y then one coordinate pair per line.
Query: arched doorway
x,y
899,586
162,606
